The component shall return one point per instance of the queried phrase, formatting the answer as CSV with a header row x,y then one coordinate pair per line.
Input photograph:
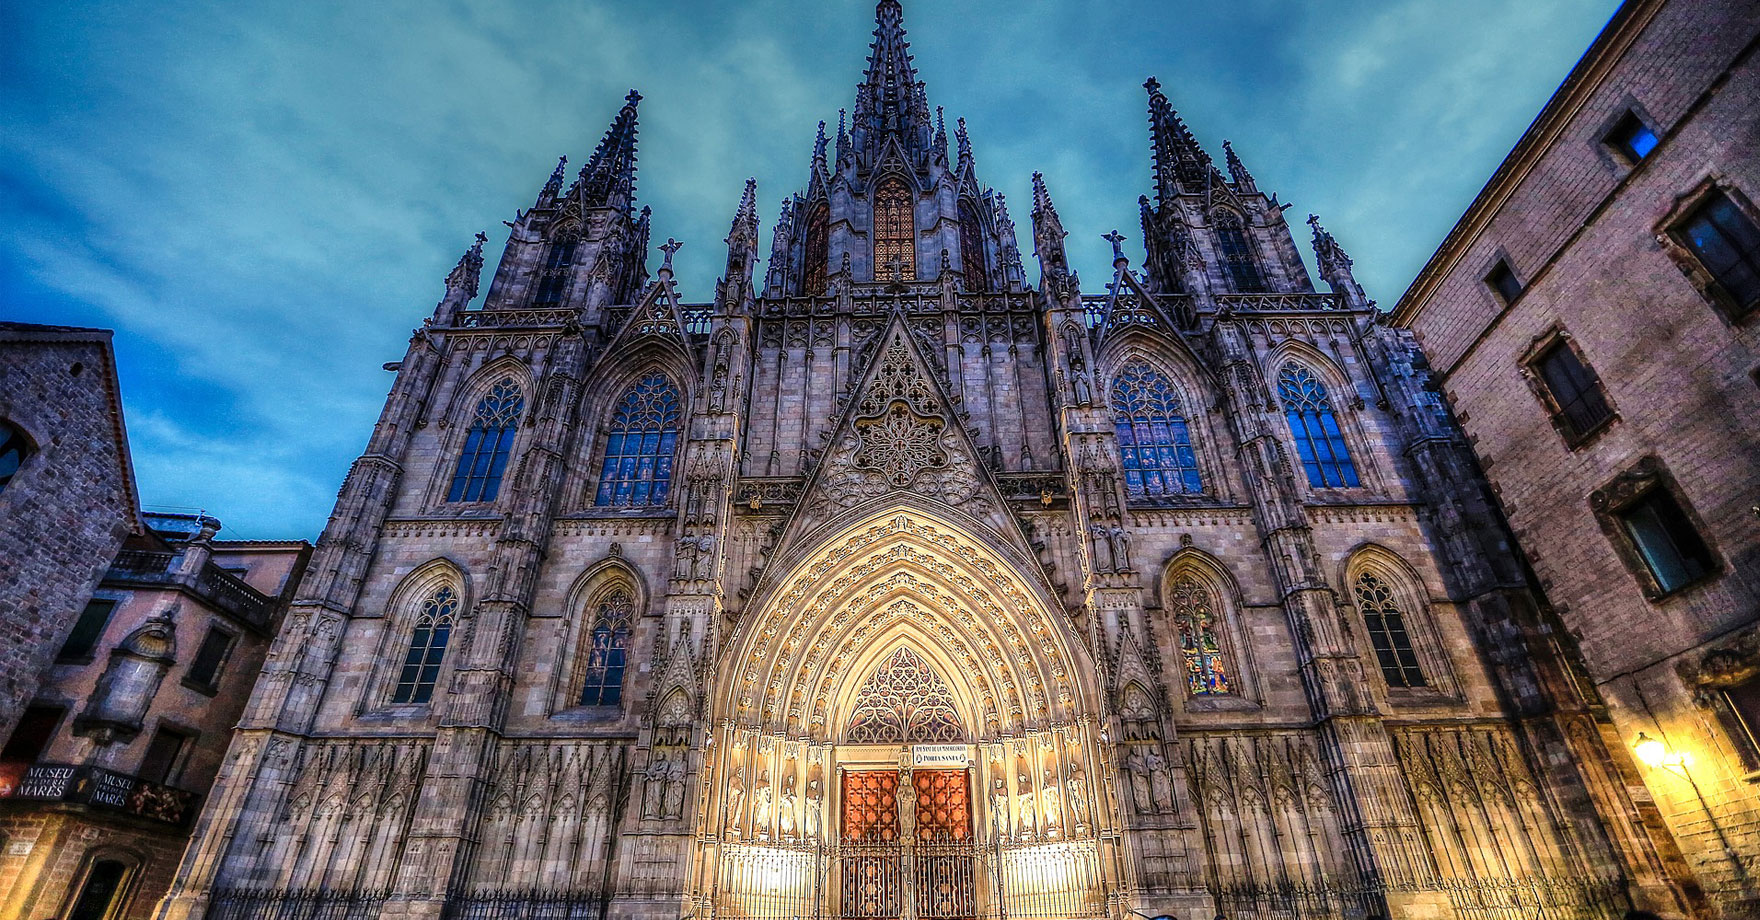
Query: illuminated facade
x,y
887,585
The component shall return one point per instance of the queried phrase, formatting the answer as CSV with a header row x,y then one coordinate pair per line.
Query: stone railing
x,y
512,319
1279,303
213,584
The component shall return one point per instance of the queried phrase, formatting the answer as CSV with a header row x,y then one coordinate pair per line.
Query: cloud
x,y
262,197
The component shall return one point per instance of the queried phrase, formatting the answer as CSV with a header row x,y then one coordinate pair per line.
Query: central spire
x,y
890,103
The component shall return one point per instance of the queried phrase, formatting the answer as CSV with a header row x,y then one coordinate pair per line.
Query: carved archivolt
x,y
900,579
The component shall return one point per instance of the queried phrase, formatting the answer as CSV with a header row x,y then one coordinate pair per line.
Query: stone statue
x,y
1159,784
761,800
718,385
1078,794
789,804
1053,804
1084,393
654,789
1138,768
999,806
736,793
1120,539
815,806
675,782
1024,799
1102,549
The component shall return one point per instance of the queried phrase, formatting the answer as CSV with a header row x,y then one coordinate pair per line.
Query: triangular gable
x,y
1128,304
656,315
900,434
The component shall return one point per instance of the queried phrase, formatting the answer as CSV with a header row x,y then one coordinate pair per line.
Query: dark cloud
x,y
262,197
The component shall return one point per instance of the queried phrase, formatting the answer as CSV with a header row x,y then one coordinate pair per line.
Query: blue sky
x,y
262,198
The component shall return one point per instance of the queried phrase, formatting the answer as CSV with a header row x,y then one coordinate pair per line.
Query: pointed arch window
x,y
608,651
1387,632
895,233
553,280
1195,621
13,449
1154,441
640,446
427,648
477,478
971,248
818,251
1319,440
1237,254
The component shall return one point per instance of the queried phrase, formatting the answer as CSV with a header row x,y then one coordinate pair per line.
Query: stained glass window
x,y
895,232
477,478
608,651
1387,633
818,251
1194,619
553,280
427,648
1153,439
640,448
1318,439
971,248
1237,255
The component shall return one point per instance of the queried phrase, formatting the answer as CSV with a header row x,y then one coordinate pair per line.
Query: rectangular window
x,y
1743,700
1727,243
1666,541
87,631
1576,390
211,657
1502,279
161,761
36,728
1631,138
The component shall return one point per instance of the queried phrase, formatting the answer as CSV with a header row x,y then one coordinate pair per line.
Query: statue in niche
x,y
718,384
1084,394
1102,549
675,781
761,800
736,792
1119,540
1053,807
789,804
1078,795
815,805
999,804
654,789
1023,791
1160,787
1138,768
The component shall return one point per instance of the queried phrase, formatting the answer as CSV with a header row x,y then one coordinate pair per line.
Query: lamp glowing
x,y
1650,752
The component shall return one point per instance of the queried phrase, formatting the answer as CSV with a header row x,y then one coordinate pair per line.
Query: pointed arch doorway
x,y
905,731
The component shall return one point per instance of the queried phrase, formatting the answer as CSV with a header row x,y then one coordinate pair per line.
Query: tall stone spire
x,y
1179,161
890,102
609,178
1237,171
1048,234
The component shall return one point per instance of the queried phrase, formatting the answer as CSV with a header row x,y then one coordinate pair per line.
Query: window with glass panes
x,y
553,280
1387,632
427,648
83,641
1574,387
487,445
1728,244
607,651
1666,541
1319,441
1154,441
210,657
641,444
1237,255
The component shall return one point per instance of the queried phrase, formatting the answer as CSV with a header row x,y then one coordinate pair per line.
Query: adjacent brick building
x,y
67,495
1594,320
110,762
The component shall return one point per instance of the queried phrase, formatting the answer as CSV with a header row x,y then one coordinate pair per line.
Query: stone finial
x,y
669,247
1117,240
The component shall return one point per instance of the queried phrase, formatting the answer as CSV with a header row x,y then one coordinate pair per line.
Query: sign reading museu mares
x,y
897,581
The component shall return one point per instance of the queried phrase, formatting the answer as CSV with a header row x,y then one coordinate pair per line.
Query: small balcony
x,y
98,789
214,585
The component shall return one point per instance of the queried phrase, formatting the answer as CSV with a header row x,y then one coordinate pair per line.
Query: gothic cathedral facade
x,y
893,585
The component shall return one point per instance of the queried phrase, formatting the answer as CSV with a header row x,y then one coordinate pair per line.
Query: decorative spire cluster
x,y
890,102
609,178
469,270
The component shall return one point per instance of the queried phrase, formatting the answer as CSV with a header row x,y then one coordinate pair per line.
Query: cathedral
x,y
904,581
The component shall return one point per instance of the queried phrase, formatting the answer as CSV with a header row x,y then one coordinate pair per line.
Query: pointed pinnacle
x,y
555,183
965,143
748,203
1237,171
819,149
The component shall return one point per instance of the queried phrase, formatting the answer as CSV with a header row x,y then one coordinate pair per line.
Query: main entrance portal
x,y
909,849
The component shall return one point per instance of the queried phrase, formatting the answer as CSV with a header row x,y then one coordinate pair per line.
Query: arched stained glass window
x,y
1237,254
971,248
1318,438
477,478
1387,632
640,446
1195,621
13,449
818,251
1153,439
553,280
895,233
427,648
608,651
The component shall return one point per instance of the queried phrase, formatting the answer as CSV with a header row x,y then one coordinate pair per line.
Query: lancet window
x,y
1319,441
640,447
895,232
1387,632
1195,621
553,280
427,648
1237,254
905,702
818,251
1154,441
13,449
607,651
487,444
971,248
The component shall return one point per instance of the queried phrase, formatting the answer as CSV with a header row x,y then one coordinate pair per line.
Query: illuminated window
x,y
971,248
895,232
607,651
477,478
1237,254
818,251
640,447
1632,138
427,648
1387,633
1318,439
1194,619
1154,442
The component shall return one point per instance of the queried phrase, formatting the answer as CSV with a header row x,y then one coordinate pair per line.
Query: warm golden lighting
x,y
1654,754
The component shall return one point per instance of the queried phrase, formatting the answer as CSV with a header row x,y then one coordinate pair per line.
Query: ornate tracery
x,y
1319,441
905,701
818,251
640,447
607,651
895,250
1154,442
427,648
1387,632
1195,621
487,445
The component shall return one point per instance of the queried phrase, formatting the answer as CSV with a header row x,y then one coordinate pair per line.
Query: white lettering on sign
x,y
939,755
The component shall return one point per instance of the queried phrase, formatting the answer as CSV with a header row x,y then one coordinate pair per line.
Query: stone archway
x,y
905,729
